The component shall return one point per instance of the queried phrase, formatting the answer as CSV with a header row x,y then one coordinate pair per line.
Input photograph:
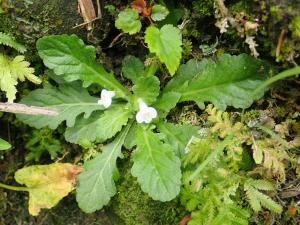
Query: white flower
x,y
146,113
106,98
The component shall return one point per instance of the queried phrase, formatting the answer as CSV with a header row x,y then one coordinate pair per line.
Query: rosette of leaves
x,y
158,145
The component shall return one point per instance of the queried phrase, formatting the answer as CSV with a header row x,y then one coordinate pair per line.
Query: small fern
x,y
273,154
222,124
198,150
215,180
231,214
212,198
257,199
12,70
8,40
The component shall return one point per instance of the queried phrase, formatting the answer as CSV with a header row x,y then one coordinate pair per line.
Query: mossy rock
x,y
135,207
31,20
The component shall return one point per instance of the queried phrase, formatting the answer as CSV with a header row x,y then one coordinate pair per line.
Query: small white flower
x,y
146,113
106,98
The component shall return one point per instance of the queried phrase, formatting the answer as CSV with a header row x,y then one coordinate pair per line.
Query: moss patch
x,y
136,208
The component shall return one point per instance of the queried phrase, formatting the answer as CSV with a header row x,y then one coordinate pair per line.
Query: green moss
x,y
241,6
276,12
251,117
294,26
136,208
204,7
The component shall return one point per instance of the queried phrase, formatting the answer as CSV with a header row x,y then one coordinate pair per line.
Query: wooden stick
x,y
24,109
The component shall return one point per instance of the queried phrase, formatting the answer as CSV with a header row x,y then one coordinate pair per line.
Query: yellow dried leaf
x,y
257,153
47,184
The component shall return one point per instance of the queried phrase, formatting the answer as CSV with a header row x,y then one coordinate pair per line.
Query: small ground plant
x,y
215,169
222,184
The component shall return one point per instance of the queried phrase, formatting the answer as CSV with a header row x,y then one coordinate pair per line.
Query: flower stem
x,y
13,188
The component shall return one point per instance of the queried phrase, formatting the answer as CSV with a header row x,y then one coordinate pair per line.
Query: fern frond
x,y
227,214
268,203
231,214
231,191
199,150
204,216
253,200
20,69
239,212
12,70
274,156
258,199
261,184
8,40
222,123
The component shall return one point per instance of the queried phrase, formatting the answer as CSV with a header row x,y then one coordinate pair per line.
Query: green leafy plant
x,y
8,40
128,21
223,172
138,116
165,42
40,142
159,12
14,69
219,178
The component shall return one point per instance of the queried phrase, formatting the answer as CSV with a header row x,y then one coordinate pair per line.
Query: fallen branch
x,y
24,109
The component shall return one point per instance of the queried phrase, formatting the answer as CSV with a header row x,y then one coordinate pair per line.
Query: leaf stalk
x,y
13,188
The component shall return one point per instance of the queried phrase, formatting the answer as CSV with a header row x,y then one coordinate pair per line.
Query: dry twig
x,y
24,109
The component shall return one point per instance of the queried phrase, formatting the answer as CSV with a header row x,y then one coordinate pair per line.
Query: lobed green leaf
x,y
69,57
133,68
156,166
228,82
96,183
99,127
178,135
166,44
159,12
166,102
128,21
69,100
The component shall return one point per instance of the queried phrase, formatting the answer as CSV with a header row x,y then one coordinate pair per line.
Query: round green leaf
x,y
159,12
128,21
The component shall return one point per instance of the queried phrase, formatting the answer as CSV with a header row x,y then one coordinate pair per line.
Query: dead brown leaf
x,y
142,7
